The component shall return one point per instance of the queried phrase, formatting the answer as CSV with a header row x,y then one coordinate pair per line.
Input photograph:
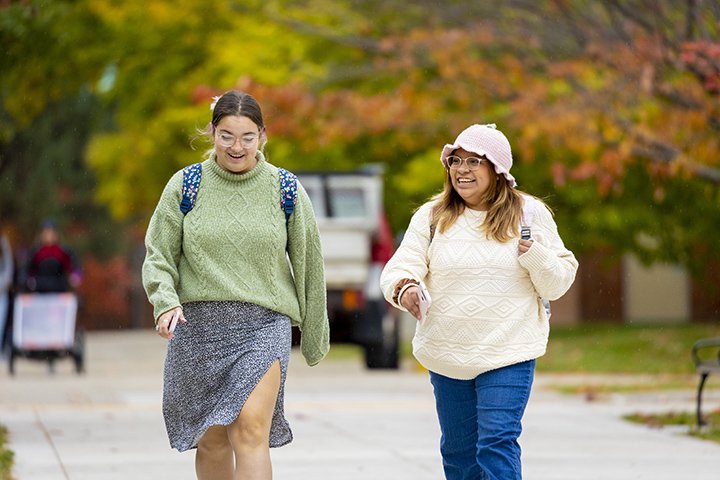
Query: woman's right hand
x,y
163,324
410,299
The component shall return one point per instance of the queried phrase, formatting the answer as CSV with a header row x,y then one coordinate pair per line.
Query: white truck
x,y
356,242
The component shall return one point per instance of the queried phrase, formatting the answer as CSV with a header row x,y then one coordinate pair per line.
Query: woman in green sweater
x,y
225,296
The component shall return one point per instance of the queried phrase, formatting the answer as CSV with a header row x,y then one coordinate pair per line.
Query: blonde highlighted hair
x,y
505,209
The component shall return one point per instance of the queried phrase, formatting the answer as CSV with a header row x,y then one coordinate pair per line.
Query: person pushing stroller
x,y
52,267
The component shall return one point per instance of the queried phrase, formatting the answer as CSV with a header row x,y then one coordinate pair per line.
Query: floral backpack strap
x,y
288,193
191,183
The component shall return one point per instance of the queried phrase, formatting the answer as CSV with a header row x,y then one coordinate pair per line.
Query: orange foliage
x,y
104,294
591,109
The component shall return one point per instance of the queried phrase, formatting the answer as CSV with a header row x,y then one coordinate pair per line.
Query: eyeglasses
x,y
473,163
227,140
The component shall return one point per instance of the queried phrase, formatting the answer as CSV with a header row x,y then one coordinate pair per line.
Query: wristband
x,y
403,289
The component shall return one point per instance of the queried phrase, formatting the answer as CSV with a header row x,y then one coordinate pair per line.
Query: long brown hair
x,y
505,206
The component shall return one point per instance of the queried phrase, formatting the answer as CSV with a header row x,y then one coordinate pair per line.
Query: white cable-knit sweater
x,y
486,311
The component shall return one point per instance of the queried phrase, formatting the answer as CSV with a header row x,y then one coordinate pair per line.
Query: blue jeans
x,y
480,422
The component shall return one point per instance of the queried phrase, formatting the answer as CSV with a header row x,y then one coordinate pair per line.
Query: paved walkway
x,y
349,423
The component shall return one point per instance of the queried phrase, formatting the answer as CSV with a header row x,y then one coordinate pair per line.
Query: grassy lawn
x,y
639,357
618,348
686,420
660,351
6,456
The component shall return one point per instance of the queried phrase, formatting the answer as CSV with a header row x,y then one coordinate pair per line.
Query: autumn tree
x,y
611,106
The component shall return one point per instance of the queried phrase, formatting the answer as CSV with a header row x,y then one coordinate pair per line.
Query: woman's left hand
x,y
524,246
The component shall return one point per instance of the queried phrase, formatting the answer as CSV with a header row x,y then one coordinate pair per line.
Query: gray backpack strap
x,y
528,215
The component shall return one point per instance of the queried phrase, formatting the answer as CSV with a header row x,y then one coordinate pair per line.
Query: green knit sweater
x,y
232,246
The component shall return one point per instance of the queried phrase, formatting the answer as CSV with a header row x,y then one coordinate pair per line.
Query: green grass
x,y
593,387
6,456
711,431
342,351
619,348
638,357
662,351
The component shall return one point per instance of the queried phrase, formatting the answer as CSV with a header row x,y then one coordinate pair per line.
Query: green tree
x,y
48,113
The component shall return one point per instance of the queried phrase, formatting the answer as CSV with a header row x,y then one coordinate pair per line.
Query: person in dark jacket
x,y
52,266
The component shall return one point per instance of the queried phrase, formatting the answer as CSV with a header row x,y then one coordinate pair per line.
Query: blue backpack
x,y
191,184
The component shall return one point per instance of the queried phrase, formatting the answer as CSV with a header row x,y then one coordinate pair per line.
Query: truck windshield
x,y
347,202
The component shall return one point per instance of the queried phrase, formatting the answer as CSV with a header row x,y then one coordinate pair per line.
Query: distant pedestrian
x,y
219,268
53,267
486,322
7,270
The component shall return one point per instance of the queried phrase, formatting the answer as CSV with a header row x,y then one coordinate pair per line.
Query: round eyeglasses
x,y
473,163
227,140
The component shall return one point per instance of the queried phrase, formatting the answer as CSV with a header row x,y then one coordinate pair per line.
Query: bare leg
x,y
214,456
249,434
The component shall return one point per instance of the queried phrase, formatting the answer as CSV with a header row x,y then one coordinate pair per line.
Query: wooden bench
x,y
706,355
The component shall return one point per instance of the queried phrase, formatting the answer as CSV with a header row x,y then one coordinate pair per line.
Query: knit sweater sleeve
x,y
305,253
163,244
551,266
410,259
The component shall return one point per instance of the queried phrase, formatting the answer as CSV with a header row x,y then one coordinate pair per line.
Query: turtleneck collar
x,y
212,166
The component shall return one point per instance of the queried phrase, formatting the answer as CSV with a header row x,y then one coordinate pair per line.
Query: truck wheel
x,y
381,356
385,354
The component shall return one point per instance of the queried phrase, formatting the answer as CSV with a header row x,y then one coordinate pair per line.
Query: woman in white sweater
x,y
486,322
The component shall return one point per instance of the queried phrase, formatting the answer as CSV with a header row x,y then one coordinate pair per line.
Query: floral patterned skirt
x,y
213,364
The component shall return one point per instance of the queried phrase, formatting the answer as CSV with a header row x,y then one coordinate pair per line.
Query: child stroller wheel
x,y
78,352
79,363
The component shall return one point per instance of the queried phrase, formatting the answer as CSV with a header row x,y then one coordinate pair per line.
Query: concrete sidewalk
x,y
349,423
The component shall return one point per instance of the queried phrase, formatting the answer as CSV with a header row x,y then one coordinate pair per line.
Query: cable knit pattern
x,y
486,311
232,246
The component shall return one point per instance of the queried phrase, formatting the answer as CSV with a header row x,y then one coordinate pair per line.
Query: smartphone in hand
x,y
174,321
424,301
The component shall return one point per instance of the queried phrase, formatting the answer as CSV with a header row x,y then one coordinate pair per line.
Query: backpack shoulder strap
x,y
288,193
191,183
528,215
528,211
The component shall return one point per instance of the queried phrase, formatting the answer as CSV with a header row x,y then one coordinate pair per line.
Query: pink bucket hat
x,y
485,140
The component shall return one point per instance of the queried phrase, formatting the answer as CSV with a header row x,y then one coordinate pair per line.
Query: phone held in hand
x,y
424,301
525,233
174,321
